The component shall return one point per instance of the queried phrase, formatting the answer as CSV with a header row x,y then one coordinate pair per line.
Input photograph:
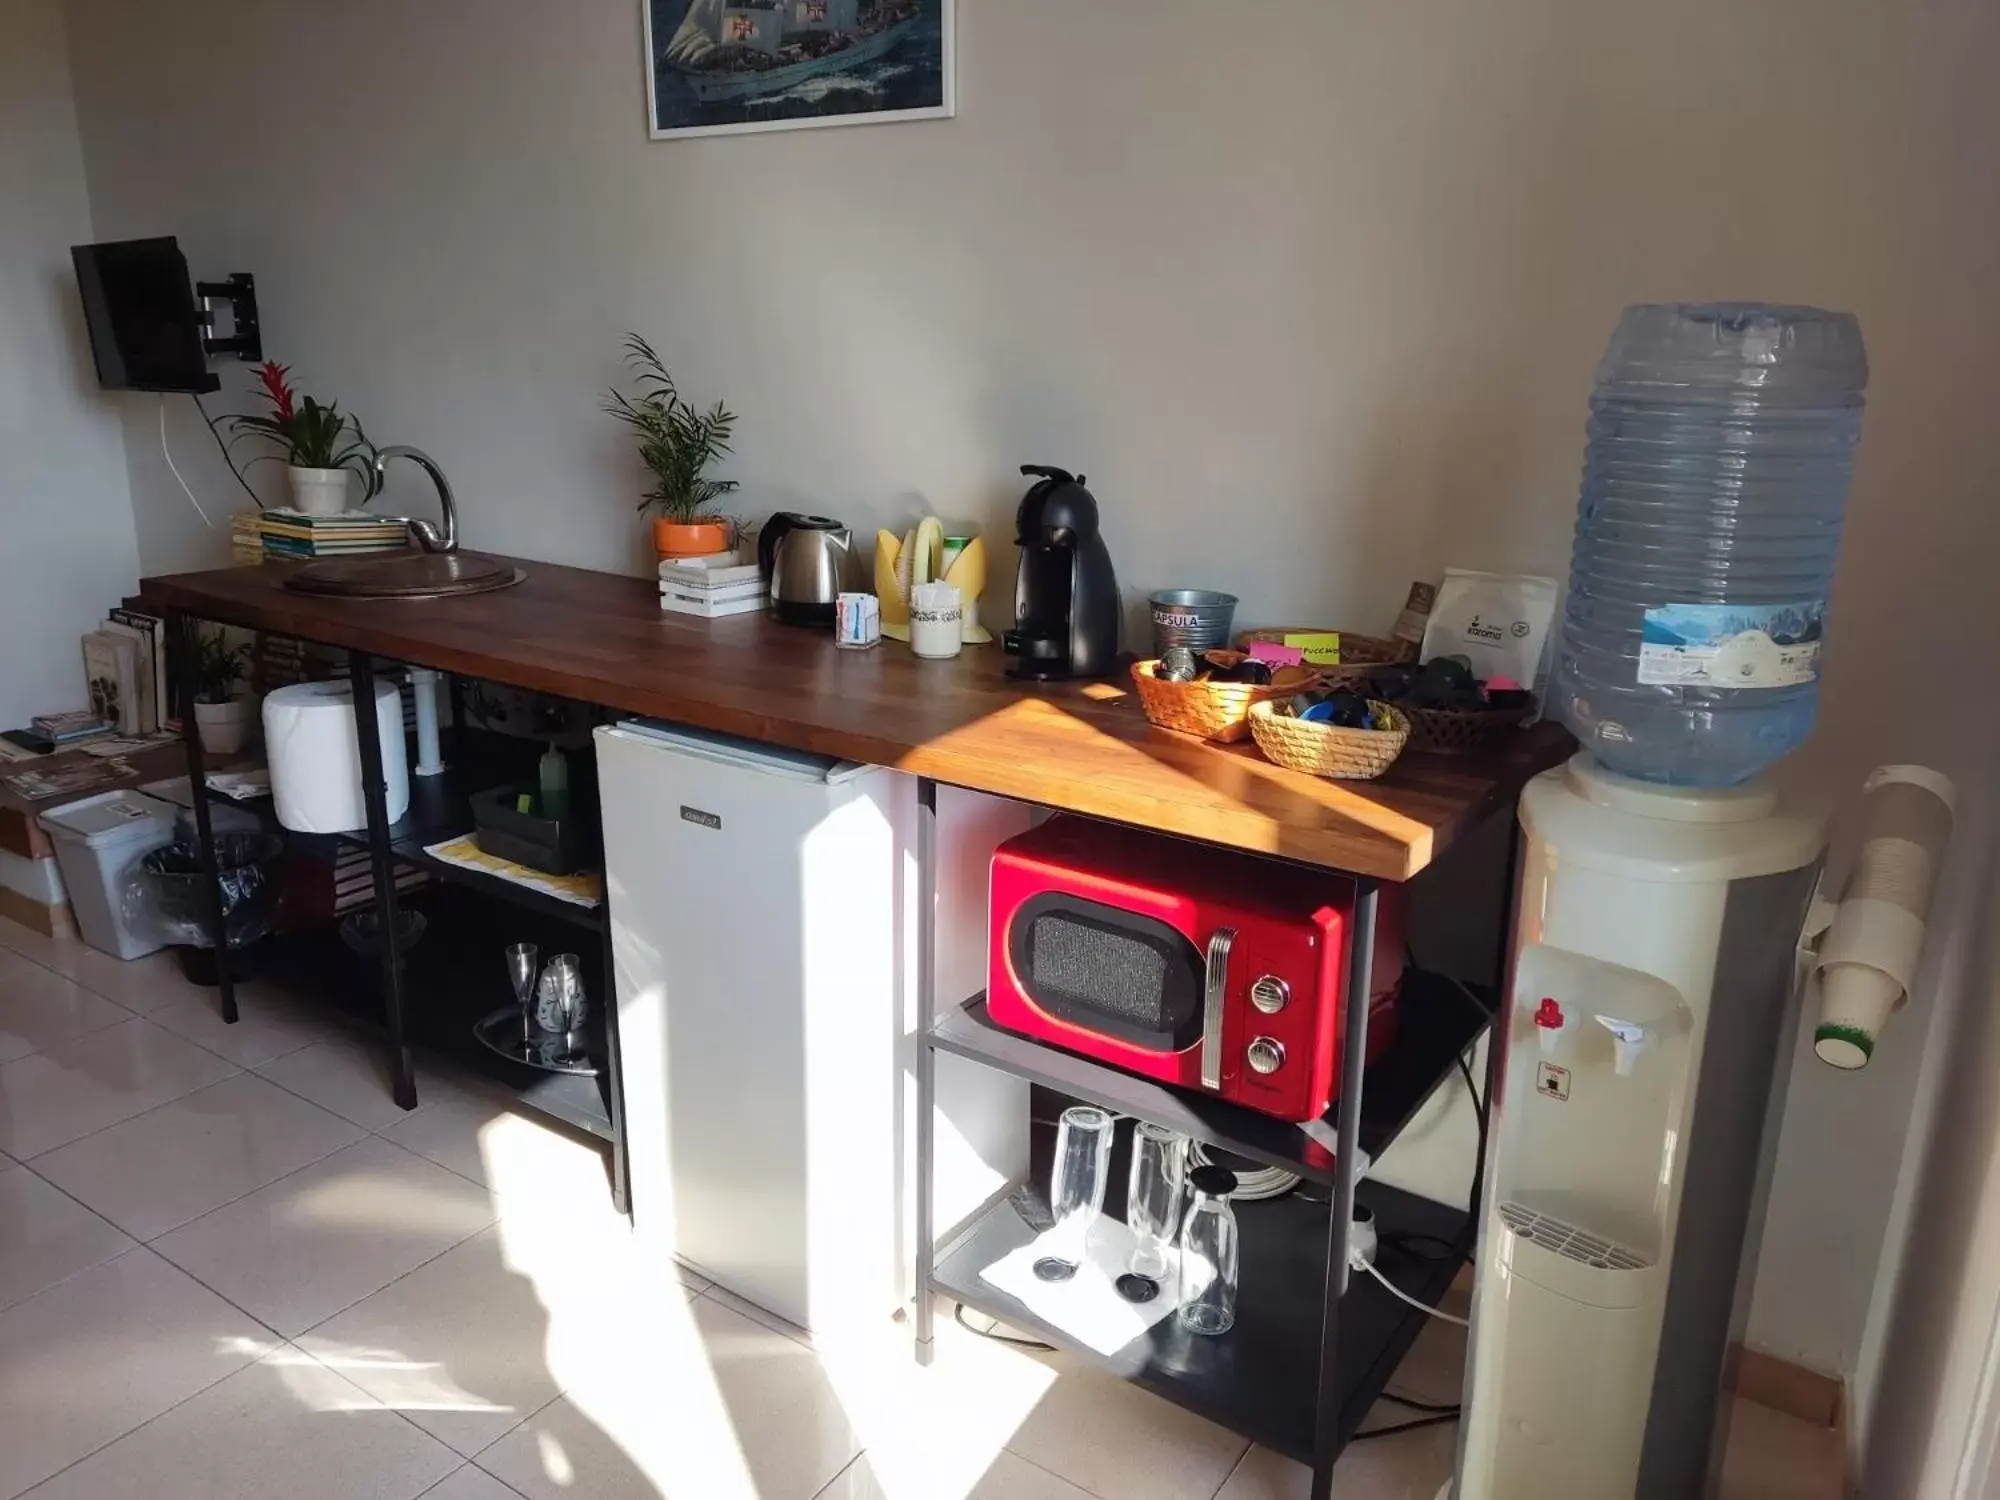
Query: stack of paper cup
x,y
937,614
1871,953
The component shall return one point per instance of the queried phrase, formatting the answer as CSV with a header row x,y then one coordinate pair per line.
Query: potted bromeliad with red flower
x,y
323,448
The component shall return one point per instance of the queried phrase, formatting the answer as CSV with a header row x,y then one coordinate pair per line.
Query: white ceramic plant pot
x,y
319,492
223,727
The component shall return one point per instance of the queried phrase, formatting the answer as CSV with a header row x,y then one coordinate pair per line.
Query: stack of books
x,y
711,587
246,544
71,728
293,534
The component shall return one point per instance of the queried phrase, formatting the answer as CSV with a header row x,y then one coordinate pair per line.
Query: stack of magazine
x,y
293,534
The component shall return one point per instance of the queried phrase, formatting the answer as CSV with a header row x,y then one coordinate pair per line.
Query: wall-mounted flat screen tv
x,y
139,304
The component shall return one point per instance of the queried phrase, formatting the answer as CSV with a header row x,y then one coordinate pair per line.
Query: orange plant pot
x,y
690,538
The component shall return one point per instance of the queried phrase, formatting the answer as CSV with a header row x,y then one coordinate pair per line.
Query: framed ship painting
x,y
721,66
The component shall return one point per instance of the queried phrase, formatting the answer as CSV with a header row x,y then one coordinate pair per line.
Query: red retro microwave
x,y
1196,966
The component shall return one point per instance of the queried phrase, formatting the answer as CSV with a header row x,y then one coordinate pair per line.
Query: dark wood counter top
x,y
1083,747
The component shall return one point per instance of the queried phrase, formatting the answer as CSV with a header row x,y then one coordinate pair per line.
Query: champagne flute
x,y
572,1006
1153,1197
523,964
1076,1189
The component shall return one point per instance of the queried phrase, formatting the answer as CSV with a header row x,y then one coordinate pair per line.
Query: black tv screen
x,y
139,304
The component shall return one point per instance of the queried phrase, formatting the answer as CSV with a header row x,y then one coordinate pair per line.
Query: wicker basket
x,y
1460,731
1359,654
1328,749
1214,710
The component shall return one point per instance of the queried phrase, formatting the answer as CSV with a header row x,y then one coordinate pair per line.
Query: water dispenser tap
x,y
1549,1023
1630,1040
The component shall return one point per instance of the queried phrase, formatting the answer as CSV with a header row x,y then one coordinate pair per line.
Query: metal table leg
x,y
614,1073
375,796
457,692
1496,1035
1353,1064
181,642
926,1058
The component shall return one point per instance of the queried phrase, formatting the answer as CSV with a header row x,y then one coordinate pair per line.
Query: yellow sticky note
x,y
1321,647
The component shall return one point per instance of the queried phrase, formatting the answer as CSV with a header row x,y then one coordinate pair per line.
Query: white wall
x,y
1316,306
67,548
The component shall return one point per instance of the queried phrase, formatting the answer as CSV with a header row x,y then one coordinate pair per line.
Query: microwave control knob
x,y
1270,994
1267,1055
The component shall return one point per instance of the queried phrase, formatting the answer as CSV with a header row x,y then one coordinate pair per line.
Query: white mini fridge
x,y
763,914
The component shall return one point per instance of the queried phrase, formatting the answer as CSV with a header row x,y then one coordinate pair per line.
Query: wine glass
x,y
523,963
1153,1197
1076,1188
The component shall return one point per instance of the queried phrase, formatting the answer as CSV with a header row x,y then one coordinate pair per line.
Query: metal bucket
x,y
1195,618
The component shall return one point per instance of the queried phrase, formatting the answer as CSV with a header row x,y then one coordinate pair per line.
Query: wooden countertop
x,y
1082,747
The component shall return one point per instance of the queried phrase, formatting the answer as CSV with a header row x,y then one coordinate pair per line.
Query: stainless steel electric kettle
x,y
800,556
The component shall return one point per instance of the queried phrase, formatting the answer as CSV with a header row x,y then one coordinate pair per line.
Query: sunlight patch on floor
x,y
402,1383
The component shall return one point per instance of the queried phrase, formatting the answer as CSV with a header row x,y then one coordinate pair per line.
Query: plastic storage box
x,y
98,841
555,846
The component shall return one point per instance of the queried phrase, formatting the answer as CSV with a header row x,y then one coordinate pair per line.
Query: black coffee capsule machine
x,y
1066,599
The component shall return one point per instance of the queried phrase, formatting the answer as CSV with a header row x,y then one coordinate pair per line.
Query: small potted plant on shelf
x,y
320,455
677,443
221,718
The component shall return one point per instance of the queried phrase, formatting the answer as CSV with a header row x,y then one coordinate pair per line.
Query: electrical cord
x,y
1375,1432
1251,1187
1442,1409
1479,1105
993,1333
167,454
1439,1313
224,448
1478,1114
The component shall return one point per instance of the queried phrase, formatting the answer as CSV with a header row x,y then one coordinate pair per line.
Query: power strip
x,y
1362,1239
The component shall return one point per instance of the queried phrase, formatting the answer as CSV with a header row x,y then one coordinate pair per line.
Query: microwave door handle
x,y
1215,988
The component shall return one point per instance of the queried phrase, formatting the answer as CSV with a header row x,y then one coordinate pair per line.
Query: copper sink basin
x,y
405,575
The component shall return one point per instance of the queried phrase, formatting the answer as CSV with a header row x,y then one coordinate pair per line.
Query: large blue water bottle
x,y
1721,443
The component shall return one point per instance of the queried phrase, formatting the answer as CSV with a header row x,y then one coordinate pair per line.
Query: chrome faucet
x,y
431,538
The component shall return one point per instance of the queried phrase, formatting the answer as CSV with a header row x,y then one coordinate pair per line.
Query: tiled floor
x,y
231,1267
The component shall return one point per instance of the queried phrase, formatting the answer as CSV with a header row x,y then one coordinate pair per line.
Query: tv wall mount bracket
x,y
239,294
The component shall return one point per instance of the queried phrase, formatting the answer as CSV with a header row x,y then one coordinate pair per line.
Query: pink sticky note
x,y
1276,655
1500,683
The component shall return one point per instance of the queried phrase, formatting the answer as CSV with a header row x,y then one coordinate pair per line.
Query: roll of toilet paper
x,y
316,760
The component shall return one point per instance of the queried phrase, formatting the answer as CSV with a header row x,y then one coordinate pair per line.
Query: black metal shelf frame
x,y
1260,1378
450,980
438,812
1362,1331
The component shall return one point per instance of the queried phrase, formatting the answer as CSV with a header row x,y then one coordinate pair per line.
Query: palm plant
x,y
677,441
218,667
312,436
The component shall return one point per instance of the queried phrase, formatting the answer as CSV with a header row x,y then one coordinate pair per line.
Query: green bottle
x,y
554,777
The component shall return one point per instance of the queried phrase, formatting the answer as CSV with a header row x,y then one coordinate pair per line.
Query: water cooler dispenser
x,y
1650,1032
1583,1190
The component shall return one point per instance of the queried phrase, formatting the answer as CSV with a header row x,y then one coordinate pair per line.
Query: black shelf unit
x,y
1260,1378
1315,1342
440,810
453,977
424,1000
1437,1021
